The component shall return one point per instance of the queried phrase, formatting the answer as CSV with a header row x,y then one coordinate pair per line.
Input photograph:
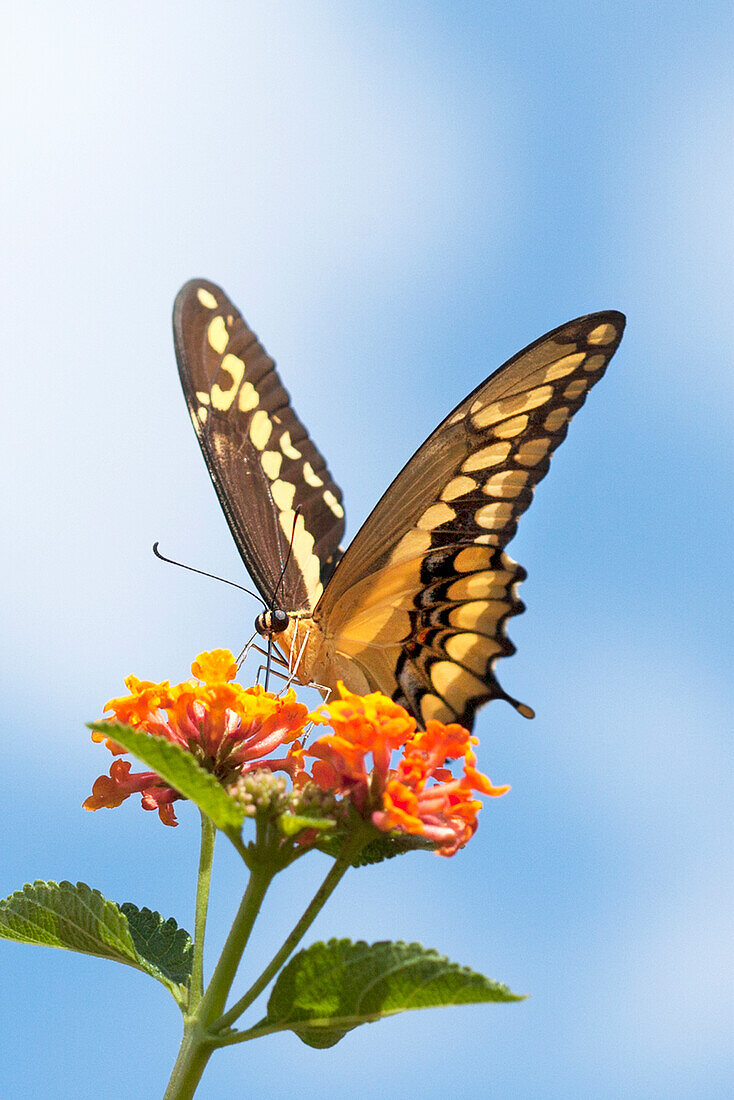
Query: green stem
x,y
215,997
197,1043
190,1063
337,872
206,855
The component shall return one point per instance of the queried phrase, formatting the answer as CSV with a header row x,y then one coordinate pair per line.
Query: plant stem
x,y
197,1045
337,872
216,995
190,1063
206,855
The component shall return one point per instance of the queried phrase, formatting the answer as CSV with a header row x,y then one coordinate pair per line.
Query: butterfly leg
x,y
293,665
250,645
273,672
293,670
242,655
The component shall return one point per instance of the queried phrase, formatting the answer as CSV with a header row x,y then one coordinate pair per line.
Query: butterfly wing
x,y
418,604
271,481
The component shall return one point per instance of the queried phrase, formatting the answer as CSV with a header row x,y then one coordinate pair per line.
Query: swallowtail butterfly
x,y
417,605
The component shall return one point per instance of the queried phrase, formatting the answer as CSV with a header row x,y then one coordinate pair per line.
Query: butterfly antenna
x,y
203,573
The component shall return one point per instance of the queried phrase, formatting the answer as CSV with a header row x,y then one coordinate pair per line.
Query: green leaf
x,y
59,914
163,945
384,846
330,988
179,770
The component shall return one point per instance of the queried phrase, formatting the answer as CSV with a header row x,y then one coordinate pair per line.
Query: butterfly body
x,y
416,607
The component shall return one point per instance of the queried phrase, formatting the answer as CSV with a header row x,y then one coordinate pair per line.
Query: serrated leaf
x,y
160,942
384,846
59,914
330,988
180,770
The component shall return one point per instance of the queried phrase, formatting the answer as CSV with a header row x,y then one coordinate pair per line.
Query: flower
x,y
362,724
444,812
420,796
233,731
227,728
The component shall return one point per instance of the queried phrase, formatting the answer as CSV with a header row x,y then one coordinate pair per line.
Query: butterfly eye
x,y
271,622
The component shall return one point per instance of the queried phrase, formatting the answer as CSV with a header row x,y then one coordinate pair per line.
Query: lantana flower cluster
x,y
234,731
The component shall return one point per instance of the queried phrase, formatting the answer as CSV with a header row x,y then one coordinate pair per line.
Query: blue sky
x,y
399,197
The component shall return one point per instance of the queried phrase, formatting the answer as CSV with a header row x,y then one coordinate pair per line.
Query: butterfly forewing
x,y
419,602
272,482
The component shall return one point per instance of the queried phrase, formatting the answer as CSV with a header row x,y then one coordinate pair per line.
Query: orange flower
x,y
421,795
231,731
362,724
444,812
226,727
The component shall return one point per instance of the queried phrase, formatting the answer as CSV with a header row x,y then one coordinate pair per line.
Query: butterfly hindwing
x,y
419,602
272,482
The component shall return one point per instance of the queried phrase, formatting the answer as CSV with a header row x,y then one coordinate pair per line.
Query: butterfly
x,y
416,606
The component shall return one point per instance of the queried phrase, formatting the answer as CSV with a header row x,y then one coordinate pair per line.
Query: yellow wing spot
x,y
556,419
203,413
287,447
456,418
595,362
488,583
486,457
435,516
413,544
458,487
472,650
283,494
486,540
260,429
561,367
249,398
455,684
493,516
303,543
575,389
510,428
235,368
524,403
434,708
476,406
217,334
483,615
500,410
472,558
530,453
271,463
508,483
602,334
310,477
547,372
207,300
331,501
202,398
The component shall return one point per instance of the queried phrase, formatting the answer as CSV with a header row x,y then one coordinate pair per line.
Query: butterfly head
x,y
271,622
